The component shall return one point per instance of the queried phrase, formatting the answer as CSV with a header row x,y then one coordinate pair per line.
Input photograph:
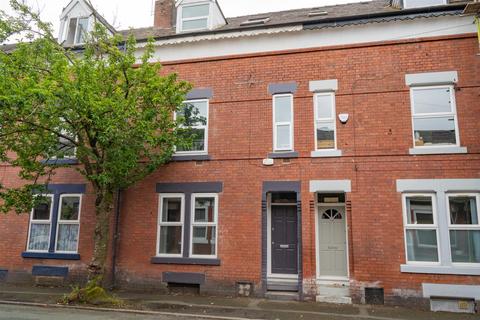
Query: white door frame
x,y
269,242
317,249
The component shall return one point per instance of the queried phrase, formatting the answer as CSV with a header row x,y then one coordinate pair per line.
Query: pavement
x,y
27,303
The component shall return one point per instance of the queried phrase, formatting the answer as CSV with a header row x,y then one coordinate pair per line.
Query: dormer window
x,y
77,31
195,17
408,4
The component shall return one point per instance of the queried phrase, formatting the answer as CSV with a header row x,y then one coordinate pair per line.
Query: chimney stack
x,y
164,14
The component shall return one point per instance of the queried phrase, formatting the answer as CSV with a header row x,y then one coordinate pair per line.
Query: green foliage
x,y
106,100
92,293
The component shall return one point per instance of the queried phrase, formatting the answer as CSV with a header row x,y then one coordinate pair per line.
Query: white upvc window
x,y
283,122
204,225
77,30
464,227
170,225
66,148
325,121
68,223
434,117
194,17
40,225
421,228
193,118
407,4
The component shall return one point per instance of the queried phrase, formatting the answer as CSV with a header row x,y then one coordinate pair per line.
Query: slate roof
x,y
349,11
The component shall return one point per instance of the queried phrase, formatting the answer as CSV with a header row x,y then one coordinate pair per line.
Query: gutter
x,y
457,9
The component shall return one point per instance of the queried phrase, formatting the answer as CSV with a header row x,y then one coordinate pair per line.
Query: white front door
x,y
332,242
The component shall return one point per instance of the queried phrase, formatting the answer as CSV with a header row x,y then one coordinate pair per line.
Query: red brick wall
x,y
14,231
375,144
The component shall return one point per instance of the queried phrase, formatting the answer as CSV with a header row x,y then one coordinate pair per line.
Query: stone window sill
x,y
191,157
437,150
191,261
326,153
51,255
283,155
60,161
454,270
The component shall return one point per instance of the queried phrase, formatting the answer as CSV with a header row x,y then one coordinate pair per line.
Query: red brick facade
x,y
375,143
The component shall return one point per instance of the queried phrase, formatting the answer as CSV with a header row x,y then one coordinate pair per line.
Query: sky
x,y
123,14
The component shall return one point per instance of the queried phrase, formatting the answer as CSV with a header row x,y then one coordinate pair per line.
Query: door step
x,y
279,284
333,292
282,295
334,299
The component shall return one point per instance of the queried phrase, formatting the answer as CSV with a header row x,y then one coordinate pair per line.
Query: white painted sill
x,y
437,150
455,270
326,153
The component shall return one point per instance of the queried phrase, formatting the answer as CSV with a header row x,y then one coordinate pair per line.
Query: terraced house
x,y
339,160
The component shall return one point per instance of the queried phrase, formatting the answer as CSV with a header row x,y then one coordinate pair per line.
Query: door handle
x,y
332,248
284,246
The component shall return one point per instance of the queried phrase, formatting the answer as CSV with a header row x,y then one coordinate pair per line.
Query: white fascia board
x,y
294,37
67,11
216,37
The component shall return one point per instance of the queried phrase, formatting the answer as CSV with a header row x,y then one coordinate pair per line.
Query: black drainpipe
x,y
116,236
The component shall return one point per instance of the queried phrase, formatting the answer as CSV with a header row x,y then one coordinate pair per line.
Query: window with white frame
x,y
77,30
170,225
193,119
464,227
194,17
434,116
66,148
68,225
40,225
421,228
325,124
283,122
203,241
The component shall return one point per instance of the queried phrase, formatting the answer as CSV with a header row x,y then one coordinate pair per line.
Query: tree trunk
x,y
103,209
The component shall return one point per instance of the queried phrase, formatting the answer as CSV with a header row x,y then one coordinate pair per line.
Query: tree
x,y
100,103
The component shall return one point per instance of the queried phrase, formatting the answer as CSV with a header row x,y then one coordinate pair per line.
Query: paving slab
x,y
233,307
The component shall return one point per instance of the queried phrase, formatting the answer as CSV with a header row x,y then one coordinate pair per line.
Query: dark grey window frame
x,y
56,190
188,189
